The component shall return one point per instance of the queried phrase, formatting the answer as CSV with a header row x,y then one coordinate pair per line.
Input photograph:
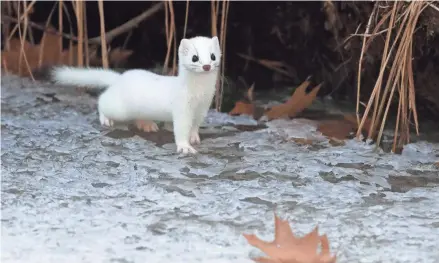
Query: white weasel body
x,y
140,95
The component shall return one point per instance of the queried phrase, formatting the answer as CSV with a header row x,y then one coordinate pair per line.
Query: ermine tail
x,y
92,77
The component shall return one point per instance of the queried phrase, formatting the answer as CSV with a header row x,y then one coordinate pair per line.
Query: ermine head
x,y
200,54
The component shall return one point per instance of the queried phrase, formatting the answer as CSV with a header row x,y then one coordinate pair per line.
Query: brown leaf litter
x,y
299,101
343,128
288,248
48,52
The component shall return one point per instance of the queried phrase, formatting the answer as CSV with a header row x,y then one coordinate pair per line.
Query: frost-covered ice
x,y
72,194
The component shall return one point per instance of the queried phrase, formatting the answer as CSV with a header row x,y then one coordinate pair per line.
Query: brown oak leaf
x,y
288,248
23,61
299,101
341,129
246,105
242,107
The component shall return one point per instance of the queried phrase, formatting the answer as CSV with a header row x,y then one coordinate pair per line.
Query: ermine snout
x,y
206,67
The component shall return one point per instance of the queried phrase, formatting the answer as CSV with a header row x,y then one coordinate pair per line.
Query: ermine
x,y
144,97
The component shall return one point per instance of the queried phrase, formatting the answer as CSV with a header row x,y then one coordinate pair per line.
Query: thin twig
x,y
109,36
41,27
223,42
360,62
21,17
433,6
43,39
125,42
267,64
22,41
169,36
7,25
174,57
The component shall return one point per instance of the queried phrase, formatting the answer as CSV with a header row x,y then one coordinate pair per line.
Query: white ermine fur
x,y
140,95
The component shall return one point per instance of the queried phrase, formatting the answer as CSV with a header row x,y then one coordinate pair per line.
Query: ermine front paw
x,y
105,121
147,126
195,138
185,148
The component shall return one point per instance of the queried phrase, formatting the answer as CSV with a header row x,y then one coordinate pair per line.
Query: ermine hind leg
x,y
147,126
105,121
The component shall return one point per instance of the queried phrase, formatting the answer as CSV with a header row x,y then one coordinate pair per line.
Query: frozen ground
x,y
71,193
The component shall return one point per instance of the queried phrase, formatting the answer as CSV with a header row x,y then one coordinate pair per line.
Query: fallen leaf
x,y
242,107
296,104
336,129
342,129
288,248
246,105
46,53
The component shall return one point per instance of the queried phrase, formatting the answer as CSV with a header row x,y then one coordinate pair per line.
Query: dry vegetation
x,y
397,21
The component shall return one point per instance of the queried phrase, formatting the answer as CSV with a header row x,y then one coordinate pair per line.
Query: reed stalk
x,y
170,36
22,35
86,46
103,39
403,19
186,18
43,39
60,28
80,23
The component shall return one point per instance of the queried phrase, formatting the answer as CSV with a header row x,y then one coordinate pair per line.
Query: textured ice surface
x,y
71,194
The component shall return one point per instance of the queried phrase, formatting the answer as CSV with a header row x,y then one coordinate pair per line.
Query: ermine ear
x,y
183,49
216,43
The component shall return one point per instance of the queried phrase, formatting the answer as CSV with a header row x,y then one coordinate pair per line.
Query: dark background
x,y
295,33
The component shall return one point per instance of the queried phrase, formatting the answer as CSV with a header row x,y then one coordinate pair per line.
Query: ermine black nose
x,y
206,67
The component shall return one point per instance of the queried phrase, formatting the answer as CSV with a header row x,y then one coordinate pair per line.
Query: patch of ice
x,y
70,193
215,118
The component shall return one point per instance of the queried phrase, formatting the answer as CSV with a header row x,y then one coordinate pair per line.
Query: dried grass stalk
x,y
400,74
103,40
80,22
213,18
21,18
22,38
6,9
43,40
86,47
60,27
170,36
222,37
186,18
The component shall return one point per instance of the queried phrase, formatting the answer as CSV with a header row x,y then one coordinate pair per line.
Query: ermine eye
x,y
195,58
212,57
